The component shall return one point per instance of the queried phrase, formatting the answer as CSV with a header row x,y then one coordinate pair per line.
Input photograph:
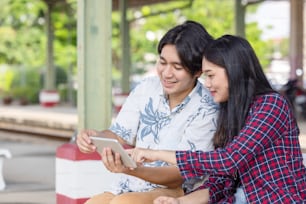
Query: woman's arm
x,y
148,155
264,126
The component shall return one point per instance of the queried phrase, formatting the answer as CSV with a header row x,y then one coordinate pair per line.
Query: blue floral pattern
x,y
121,130
146,121
153,121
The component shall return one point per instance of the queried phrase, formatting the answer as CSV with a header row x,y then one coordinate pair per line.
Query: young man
x,y
171,111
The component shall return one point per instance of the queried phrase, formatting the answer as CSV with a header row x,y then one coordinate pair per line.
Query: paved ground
x,y
30,173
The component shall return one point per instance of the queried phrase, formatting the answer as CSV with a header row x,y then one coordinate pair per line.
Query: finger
x,y
110,159
104,159
81,146
118,161
86,136
84,146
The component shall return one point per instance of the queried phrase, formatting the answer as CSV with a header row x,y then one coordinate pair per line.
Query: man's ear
x,y
198,74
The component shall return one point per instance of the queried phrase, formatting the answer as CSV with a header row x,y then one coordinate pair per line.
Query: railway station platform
x,y
30,173
58,121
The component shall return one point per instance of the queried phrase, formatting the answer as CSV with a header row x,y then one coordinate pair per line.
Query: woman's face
x,y
216,81
176,81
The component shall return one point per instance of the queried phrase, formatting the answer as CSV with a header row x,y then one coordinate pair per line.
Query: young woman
x,y
257,156
169,111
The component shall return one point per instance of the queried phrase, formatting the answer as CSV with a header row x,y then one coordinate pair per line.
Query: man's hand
x,y
84,142
112,161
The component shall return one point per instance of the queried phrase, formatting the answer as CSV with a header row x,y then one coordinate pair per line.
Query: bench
x,y
4,154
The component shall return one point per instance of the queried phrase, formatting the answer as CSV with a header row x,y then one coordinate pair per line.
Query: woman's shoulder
x,y
270,95
273,98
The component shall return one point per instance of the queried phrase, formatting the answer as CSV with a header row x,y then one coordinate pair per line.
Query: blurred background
x,y
37,36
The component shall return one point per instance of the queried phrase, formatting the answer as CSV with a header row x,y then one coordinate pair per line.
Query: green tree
x,y
23,36
23,31
149,23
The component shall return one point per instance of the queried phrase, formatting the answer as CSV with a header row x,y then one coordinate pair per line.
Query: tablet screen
x,y
101,143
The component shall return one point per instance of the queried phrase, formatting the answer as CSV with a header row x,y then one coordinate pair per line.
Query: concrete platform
x,y
60,121
30,173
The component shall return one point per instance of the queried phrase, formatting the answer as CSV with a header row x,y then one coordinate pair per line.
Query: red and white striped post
x,y
79,176
49,98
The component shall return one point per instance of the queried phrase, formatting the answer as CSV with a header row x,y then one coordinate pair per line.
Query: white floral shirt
x,y
146,121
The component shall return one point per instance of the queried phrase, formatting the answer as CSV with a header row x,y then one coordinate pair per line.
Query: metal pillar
x,y
240,18
94,64
125,54
296,38
49,75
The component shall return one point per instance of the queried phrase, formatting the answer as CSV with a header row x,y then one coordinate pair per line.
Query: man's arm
x,y
110,134
168,175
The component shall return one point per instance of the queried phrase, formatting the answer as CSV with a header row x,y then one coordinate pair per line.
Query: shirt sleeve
x,y
221,188
265,122
126,123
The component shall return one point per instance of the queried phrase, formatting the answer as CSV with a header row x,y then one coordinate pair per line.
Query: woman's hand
x,y
83,141
141,155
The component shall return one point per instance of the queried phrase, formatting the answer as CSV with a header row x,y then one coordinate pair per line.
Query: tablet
x,y
101,143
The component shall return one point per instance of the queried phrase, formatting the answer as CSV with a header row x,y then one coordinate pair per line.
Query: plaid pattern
x,y
265,157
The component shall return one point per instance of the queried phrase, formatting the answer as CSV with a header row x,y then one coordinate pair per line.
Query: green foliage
x,y
25,84
61,77
23,35
26,94
262,49
6,78
283,47
217,16
19,82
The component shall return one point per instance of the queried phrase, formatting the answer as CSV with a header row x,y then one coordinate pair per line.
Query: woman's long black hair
x,y
246,80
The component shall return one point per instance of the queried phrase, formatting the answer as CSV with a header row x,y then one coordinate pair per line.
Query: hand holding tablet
x,y
101,143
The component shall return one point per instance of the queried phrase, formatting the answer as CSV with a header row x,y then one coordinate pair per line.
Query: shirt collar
x,y
185,101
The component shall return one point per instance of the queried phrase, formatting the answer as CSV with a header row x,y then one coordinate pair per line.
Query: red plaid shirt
x,y
265,157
